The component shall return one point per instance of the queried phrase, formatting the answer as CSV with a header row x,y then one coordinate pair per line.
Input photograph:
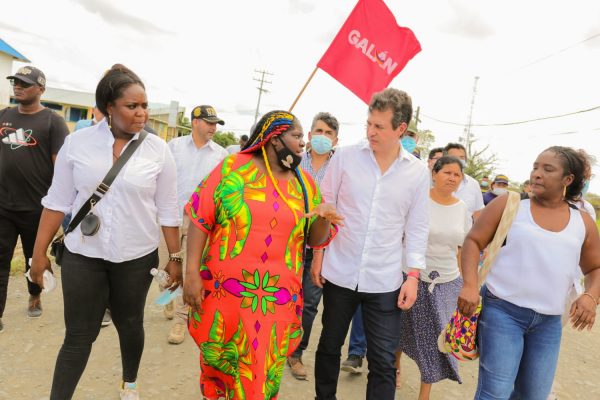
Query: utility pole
x,y
469,123
261,89
417,120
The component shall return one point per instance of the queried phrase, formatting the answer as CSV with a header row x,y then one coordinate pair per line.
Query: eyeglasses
x,y
24,85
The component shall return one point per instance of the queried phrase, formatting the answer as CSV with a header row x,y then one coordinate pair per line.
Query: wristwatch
x,y
177,257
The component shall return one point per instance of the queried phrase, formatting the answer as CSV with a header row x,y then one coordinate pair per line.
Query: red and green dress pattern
x,y
252,273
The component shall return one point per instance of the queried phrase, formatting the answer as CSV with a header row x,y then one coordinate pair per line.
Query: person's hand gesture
x,y
583,312
327,212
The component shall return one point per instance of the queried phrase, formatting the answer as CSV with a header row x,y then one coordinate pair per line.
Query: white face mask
x,y
499,191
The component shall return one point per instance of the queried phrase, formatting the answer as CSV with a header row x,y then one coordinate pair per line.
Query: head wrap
x,y
271,124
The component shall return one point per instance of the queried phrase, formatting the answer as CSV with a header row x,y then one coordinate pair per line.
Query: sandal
x,y
398,381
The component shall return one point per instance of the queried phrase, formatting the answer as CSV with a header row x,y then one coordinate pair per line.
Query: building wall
x,y
5,70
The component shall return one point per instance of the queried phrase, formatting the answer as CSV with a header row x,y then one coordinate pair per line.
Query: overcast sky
x,y
529,56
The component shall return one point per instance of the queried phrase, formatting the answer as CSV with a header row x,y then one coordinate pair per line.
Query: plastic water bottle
x,y
49,280
168,296
161,277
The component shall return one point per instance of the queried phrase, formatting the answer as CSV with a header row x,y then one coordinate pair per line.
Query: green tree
x,y
426,139
184,126
225,139
480,163
594,200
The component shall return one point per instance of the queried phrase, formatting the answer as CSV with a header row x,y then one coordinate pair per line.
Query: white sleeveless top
x,y
536,267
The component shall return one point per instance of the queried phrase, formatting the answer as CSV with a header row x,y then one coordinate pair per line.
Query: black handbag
x,y
90,223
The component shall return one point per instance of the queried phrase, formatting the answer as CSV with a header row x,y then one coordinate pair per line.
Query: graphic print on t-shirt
x,y
17,138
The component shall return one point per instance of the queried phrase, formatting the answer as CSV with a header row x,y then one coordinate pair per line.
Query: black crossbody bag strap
x,y
106,182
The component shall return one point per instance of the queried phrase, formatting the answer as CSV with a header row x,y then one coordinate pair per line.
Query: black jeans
x,y
90,285
312,297
381,317
12,225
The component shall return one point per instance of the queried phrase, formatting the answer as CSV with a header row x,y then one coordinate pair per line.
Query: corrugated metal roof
x,y
71,97
6,48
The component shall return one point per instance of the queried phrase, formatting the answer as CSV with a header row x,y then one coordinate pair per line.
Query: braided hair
x,y
271,124
577,163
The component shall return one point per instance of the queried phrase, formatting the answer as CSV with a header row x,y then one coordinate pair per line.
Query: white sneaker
x,y
129,391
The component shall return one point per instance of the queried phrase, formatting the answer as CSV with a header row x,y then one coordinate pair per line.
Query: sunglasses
x,y
24,85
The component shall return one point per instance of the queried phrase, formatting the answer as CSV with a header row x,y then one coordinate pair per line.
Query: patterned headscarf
x,y
271,124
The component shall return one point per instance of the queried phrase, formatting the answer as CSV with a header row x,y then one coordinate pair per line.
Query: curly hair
x,y
577,163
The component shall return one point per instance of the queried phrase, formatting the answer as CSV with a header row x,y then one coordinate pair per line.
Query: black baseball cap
x,y
30,75
206,113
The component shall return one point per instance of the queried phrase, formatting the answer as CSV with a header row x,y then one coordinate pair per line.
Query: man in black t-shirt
x,y
30,137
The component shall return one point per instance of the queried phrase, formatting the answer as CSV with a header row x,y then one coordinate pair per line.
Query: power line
x,y
515,122
558,52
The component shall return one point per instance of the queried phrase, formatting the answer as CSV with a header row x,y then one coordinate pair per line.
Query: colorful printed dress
x,y
252,270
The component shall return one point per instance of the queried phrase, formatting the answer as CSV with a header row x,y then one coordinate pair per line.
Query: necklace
x,y
116,157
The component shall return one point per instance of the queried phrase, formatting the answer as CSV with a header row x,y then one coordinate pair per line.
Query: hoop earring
x,y
109,121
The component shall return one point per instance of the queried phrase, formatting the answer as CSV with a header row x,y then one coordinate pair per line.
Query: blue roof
x,y
6,48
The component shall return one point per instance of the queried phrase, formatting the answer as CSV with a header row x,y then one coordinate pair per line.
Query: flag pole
x,y
304,87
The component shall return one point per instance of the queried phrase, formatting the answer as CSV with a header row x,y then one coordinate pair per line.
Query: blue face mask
x,y
321,144
586,187
409,144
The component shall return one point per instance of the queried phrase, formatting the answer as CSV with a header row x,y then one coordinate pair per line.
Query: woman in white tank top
x,y
524,294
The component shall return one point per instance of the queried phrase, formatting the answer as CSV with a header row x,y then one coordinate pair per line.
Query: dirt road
x,y
28,349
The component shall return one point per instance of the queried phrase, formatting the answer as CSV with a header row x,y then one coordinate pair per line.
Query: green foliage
x,y
426,139
224,139
480,163
594,200
184,126
17,266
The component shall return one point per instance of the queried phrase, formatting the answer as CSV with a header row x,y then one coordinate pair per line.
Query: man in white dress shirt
x,y
468,190
196,155
382,190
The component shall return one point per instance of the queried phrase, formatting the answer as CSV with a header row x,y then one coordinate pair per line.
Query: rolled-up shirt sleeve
x,y
62,193
417,225
166,192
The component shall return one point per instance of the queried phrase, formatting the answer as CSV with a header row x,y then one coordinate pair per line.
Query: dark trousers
x,y
381,317
312,297
90,286
12,225
358,341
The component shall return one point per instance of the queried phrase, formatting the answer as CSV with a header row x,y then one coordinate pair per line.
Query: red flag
x,y
369,50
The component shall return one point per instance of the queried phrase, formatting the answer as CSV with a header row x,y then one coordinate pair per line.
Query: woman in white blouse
x,y
449,223
525,291
111,268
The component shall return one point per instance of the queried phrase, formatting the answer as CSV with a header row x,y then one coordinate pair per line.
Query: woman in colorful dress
x,y
250,217
449,223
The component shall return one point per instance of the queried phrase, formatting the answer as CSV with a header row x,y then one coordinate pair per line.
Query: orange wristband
x,y
414,274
